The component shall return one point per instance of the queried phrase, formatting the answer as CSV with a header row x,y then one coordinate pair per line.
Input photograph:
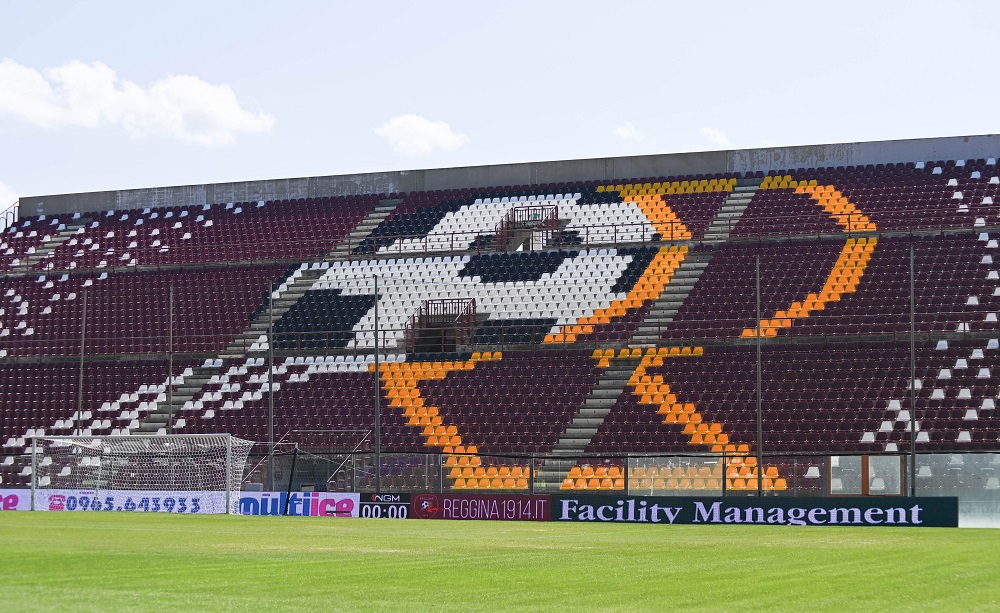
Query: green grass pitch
x,y
123,561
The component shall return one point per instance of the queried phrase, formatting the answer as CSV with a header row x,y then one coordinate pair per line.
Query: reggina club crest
x,y
426,506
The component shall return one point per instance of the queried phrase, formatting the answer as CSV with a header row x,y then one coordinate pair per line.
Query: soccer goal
x,y
177,473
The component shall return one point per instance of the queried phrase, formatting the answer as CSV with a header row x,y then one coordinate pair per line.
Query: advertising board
x,y
143,501
309,504
517,507
15,500
840,511
300,504
391,506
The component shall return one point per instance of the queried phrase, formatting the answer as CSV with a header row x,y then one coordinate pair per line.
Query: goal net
x,y
179,473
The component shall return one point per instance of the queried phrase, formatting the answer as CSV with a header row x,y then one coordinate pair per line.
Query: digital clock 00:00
x,y
391,506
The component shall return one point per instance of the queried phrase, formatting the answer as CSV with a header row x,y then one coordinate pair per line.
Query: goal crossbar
x,y
180,468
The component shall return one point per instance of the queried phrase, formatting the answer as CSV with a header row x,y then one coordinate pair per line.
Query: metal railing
x,y
258,251
537,218
9,215
454,320
868,327
972,476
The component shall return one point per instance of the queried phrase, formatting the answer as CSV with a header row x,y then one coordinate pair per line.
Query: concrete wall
x,y
741,160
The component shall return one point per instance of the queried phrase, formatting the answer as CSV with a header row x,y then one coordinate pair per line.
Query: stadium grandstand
x,y
791,321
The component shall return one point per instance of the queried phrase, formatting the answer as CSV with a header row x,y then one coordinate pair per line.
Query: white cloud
x,y
413,135
717,137
90,95
627,131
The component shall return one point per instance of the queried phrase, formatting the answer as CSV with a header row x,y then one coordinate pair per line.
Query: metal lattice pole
x,y
913,379
378,409
170,361
83,346
760,415
270,390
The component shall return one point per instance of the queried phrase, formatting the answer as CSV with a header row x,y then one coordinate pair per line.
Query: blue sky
x,y
110,95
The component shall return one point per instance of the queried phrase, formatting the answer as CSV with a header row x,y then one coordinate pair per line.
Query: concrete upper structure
x,y
707,162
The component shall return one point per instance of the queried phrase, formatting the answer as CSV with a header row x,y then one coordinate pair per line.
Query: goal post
x,y
174,473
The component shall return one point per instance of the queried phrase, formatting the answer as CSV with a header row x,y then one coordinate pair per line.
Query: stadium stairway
x,y
254,338
647,334
596,406
364,228
185,389
48,247
732,209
